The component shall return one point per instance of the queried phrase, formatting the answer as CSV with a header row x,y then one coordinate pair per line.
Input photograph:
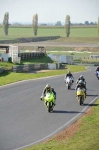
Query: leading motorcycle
x,y
49,100
80,95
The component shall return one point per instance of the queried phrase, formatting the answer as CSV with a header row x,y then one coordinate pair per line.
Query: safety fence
x,y
29,67
1,69
25,56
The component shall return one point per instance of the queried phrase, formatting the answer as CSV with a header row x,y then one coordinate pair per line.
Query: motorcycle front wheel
x,y
80,100
68,86
49,107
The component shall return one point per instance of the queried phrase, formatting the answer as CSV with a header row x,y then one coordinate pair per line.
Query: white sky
x,y
50,11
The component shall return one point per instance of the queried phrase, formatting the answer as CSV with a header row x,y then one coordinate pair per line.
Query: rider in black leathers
x,y
81,78
69,74
81,85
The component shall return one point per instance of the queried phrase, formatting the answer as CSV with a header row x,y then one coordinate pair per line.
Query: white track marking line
x,y
59,129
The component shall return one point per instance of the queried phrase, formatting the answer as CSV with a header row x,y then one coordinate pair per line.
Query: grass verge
x,y
85,138
10,77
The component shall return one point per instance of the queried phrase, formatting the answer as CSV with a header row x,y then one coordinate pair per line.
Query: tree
x,y
67,25
6,23
98,26
91,23
58,23
35,23
86,22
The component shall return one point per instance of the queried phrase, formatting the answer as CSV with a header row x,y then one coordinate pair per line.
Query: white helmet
x,y
80,82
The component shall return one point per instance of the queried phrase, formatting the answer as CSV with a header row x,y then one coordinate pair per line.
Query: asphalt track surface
x,y
24,119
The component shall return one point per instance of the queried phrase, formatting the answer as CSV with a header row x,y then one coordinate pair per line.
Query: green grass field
x,y
28,32
74,53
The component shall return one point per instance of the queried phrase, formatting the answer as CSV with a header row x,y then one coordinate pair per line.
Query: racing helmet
x,y
80,82
69,72
81,77
48,86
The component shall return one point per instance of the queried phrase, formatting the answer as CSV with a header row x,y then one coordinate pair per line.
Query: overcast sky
x,y
50,11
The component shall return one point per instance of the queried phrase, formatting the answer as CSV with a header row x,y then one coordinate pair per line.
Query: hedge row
x,y
30,39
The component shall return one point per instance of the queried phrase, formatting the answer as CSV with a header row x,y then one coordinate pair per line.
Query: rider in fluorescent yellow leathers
x,y
48,89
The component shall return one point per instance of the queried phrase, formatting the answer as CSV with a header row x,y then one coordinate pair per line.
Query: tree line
x,y
35,24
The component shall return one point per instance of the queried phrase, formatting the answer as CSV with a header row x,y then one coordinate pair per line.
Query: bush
x,y
9,59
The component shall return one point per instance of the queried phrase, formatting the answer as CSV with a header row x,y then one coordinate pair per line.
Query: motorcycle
x,y
49,100
80,95
69,82
97,74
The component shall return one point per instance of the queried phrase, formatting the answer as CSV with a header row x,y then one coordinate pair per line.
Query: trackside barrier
x,y
1,69
32,55
29,67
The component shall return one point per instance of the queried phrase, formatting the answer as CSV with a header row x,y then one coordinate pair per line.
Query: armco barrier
x,y
1,69
29,67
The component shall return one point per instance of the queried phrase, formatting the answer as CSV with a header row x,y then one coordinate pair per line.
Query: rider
x,y
97,69
47,89
81,85
69,74
81,78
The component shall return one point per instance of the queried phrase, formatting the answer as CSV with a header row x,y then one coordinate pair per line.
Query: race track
x,y
59,44
24,119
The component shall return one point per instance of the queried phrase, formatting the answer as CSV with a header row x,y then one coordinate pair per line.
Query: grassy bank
x,y
10,77
85,137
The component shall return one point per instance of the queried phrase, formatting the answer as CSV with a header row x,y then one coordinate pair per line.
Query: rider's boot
x,y
54,101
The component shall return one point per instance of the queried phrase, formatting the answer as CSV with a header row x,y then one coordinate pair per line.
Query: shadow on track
x,y
95,95
72,89
67,112
90,104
